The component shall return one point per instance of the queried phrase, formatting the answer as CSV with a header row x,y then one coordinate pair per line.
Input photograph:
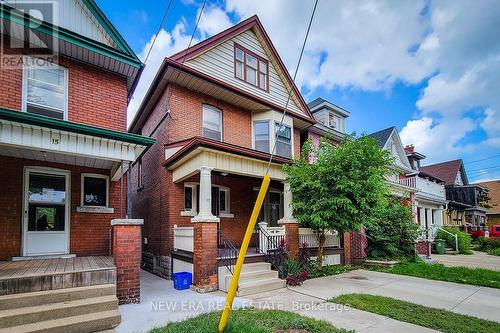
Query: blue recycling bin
x,y
182,280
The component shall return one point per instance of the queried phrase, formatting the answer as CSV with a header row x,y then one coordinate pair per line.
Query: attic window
x,y
251,68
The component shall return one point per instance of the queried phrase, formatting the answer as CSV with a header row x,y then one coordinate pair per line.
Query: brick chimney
x,y
410,149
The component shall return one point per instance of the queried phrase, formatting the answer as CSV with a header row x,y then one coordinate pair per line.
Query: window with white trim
x,y
283,140
94,190
333,121
45,90
221,200
261,135
212,122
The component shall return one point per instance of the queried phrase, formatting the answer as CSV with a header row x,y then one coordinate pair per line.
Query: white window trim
x,y
220,119
93,209
268,131
194,199
24,103
276,124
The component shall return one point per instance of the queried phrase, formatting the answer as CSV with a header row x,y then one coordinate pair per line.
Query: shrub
x,y
491,246
464,239
393,234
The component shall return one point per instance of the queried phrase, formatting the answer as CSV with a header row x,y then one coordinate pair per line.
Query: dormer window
x,y
251,68
333,121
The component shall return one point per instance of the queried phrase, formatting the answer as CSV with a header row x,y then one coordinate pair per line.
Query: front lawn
x,y
441,320
250,320
464,275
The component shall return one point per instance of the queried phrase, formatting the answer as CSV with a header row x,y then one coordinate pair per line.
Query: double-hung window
x,y
283,140
251,68
261,135
333,121
212,122
45,90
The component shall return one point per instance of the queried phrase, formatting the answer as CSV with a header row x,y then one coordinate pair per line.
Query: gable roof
x,y
116,56
494,193
254,23
447,171
383,136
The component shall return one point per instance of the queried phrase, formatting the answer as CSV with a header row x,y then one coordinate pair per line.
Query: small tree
x,y
342,189
393,234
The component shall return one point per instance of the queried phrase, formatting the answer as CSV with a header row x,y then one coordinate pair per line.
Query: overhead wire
x,y
291,87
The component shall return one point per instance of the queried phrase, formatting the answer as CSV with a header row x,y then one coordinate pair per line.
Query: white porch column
x,y
287,205
205,212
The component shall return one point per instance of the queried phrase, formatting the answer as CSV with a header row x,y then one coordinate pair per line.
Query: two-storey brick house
x,y
66,76
214,110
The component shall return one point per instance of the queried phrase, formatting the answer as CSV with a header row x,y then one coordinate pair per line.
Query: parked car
x,y
483,231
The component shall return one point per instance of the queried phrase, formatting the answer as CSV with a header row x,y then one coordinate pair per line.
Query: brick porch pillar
x,y
289,222
205,238
127,256
355,243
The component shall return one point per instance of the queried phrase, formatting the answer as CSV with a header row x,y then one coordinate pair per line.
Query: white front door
x,y
46,211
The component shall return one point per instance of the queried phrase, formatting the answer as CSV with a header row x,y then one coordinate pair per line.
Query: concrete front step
x,y
14,301
39,313
257,266
259,286
92,322
253,276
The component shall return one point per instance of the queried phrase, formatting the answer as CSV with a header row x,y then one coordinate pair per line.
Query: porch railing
x,y
270,238
183,238
308,236
228,253
410,182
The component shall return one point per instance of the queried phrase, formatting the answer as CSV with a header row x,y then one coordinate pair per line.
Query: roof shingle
x,y
446,171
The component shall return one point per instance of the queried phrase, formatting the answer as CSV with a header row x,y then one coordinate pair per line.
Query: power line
x,y
484,169
293,82
158,31
194,30
483,159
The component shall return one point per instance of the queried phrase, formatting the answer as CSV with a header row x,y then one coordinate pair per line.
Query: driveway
x,y
476,260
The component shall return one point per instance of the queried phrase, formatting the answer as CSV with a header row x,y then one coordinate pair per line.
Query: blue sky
x,y
429,68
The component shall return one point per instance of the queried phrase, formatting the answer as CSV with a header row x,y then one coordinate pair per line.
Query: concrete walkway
x,y
476,301
476,260
161,304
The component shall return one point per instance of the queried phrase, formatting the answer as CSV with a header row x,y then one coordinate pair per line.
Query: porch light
x,y
223,174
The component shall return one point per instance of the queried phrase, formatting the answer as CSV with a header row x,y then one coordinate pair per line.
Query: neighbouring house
x,y
400,185
330,122
466,202
66,79
430,198
215,110
493,213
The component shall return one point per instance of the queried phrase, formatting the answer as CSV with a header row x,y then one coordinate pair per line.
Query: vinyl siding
x,y
219,63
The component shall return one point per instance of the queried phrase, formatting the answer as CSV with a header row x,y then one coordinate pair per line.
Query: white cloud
x,y
436,140
213,21
167,43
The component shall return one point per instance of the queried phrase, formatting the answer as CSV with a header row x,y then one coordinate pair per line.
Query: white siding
x,y
218,62
74,16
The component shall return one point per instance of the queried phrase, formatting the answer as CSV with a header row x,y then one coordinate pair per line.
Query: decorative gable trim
x,y
250,23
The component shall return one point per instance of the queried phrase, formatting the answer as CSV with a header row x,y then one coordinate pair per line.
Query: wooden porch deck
x,y
47,274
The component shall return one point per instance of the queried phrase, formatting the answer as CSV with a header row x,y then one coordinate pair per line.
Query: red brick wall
x,y
127,256
95,97
89,233
160,202
205,256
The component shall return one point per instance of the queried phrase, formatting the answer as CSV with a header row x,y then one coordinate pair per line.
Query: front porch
x,y
23,276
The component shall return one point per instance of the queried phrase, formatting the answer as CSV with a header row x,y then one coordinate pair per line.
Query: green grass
x,y
441,320
250,320
464,275
494,252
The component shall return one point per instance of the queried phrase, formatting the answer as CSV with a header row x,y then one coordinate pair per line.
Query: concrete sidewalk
x,y
476,301
476,260
161,304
